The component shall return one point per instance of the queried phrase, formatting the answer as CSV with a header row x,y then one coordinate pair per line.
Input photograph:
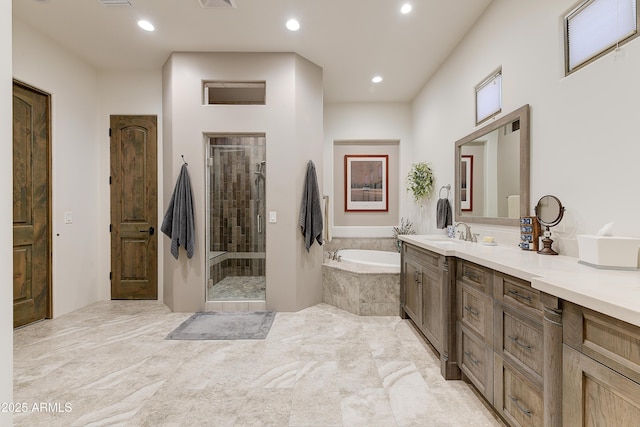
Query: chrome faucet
x,y
334,255
466,235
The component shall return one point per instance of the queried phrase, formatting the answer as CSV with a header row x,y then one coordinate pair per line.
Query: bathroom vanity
x,y
427,288
545,340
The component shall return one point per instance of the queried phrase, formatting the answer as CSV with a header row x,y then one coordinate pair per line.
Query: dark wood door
x,y
31,206
134,213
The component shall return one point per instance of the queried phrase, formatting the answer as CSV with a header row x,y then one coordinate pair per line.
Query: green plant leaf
x,y
420,181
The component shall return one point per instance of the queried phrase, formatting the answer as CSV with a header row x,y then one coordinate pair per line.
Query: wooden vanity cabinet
x,y
519,351
474,286
411,278
502,349
601,375
426,297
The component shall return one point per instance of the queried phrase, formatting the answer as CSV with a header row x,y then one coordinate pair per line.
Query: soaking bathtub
x,y
363,282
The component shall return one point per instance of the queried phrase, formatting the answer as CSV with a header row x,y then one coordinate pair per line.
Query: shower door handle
x,y
259,223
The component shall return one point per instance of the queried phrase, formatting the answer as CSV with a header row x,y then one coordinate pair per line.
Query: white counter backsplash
x,y
563,243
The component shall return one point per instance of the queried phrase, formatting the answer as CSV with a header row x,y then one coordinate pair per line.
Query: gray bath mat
x,y
249,325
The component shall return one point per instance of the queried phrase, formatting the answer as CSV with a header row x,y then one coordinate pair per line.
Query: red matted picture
x,y
366,183
466,183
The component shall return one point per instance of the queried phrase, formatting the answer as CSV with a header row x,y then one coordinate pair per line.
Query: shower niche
x,y
236,232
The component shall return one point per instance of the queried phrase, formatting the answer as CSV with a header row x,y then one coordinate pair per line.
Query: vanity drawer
x,y
517,399
475,311
427,259
610,341
521,342
518,293
474,275
476,361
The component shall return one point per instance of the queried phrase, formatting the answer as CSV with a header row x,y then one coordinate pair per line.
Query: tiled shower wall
x,y
236,197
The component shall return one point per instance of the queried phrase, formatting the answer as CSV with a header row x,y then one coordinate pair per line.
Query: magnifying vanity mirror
x,y
492,172
549,212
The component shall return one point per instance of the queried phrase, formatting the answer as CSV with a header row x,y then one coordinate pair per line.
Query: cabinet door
x,y
594,395
412,290
432,307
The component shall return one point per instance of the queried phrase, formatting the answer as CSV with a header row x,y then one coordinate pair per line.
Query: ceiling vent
x,y
214,4
115,2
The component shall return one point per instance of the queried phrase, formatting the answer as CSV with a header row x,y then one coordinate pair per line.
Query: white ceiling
x,y
352,40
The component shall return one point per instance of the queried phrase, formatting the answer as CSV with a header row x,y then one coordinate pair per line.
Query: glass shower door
x,y
236,234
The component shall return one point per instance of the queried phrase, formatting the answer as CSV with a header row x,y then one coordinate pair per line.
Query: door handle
x,y
151,231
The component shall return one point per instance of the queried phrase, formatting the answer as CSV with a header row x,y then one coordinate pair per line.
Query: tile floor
x,y
238,288
109,364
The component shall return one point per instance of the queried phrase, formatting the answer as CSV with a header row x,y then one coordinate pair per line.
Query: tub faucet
x,y
334,255
466,235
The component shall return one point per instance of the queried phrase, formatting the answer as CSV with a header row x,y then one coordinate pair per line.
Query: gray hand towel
x,y
178,223
443,213
310,209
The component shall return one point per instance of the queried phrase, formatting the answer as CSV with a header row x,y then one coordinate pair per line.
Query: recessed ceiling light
x,y
293,25
146,25
406,8
376,79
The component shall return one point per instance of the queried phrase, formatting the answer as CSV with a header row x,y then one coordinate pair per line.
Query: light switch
x,y
273,217
68,217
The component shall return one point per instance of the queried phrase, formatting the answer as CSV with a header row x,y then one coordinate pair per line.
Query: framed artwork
x,y
366,185
466,183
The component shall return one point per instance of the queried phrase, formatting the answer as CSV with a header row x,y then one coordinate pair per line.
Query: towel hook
x,y
445,187
185,162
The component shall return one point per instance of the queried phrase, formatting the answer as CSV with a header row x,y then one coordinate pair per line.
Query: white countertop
x,y
611,292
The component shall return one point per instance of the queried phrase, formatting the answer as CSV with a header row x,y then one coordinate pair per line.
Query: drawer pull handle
x,y
470,356
519,295
523,409
471,310
517,341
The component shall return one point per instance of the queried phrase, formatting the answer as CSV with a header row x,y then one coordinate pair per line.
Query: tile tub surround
x,y
320,366
374,244
361,289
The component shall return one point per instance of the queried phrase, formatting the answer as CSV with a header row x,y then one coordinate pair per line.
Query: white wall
x,y
6,199
73,86
308,144
389,121
122,93
584,127
292,123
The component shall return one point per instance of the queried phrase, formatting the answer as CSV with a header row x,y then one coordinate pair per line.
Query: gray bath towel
x,y
310,209
178,223
443,213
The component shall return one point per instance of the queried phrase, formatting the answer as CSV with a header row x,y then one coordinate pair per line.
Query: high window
x,y
597,27
489,97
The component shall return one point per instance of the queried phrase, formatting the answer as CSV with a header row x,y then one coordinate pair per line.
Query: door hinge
x,y
110,228
110,275
109,132
109,180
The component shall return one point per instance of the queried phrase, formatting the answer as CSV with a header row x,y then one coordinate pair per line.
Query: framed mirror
x,y
492,172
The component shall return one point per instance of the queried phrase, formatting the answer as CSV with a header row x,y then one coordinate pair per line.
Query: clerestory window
x,y
597,27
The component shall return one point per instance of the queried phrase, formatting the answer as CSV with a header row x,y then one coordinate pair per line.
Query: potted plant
x,y
405,227
420,181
